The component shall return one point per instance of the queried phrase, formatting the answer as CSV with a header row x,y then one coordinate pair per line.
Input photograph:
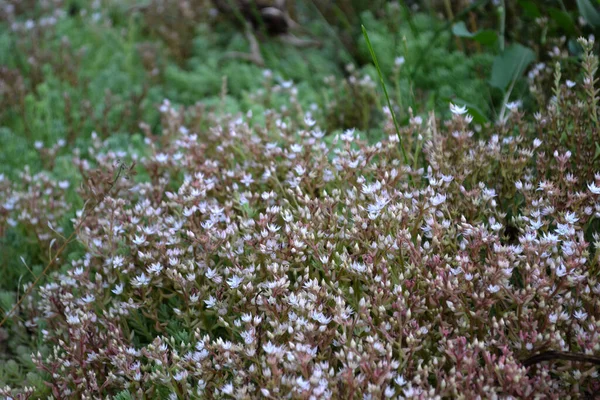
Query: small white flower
x,y
593,188
398,61
536,143
570,84
580,315
234,281
210,302
89,298
227,389
561,271
117,262
389,392
438,199
181,375
139,240
358,267
457,110
73,319
309,121
513,105
571,217
400,381
140,280
155,268
493,288
118,289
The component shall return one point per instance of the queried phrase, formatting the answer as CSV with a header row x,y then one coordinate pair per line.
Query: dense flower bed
x,y
277,261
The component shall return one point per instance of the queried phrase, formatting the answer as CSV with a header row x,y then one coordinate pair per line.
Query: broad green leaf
x,y
530,9
486,37
589,12
562,19
510,65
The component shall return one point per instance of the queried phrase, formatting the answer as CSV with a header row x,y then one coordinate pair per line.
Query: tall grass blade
x,y
387,97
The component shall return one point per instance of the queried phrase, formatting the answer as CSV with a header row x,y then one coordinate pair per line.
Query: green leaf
x,y
510,65
486,37
530,9
597,154
124,395
562,19
589,13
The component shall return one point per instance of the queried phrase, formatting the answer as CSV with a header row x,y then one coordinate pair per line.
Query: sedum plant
x,y
271,261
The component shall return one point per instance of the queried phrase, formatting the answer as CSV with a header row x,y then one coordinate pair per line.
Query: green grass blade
x,y
387,97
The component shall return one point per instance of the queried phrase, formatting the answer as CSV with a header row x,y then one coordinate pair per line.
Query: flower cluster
x,y
252,262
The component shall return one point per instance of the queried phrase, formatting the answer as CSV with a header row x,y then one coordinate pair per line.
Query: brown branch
x,y
561,355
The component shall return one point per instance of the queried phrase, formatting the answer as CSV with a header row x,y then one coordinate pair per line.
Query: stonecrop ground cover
x,y
294,239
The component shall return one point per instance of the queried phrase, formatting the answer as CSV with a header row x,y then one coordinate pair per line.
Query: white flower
x,y
247,180
571,217
570,84
270,348
302,383
117,261
118,289
457,110
593,188
320,317
398,61
358,267
400,381
210,303
537,143
140,280
296,148
181,375
493,288
139,240
88,298
561,271
309,121
162,158
438,199
580,315
155,268
389,392
227,389
513,105
234,281
73,319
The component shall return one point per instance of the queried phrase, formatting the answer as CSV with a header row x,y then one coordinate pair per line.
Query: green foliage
x,y
486,37
510,65
589,12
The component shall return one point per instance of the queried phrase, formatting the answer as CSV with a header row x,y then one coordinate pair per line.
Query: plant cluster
x,y
263,261
279,233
